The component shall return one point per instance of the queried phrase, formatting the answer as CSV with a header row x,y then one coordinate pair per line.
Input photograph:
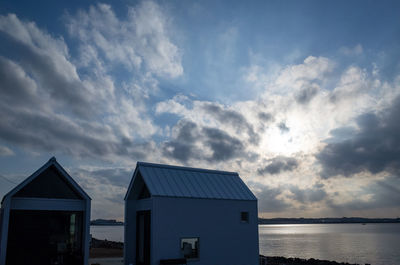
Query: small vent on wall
x,y
244,217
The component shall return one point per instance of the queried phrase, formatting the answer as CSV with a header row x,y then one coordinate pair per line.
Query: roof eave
x,y
204,198
132,181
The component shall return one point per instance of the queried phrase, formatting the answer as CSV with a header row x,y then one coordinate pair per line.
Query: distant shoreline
x,y
344,220
273,221
107,224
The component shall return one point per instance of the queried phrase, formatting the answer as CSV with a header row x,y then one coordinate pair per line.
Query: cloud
x,y
217,132
356,50
278,165
237,120
297,102
354,81
309,195
312,101
106,187
46,60
73,103
100,95
222,145
379,194
210,114
5,151
265,117
269,199
31,120
183,145
16,85
223,115
56,102
373,148
191,141
283,127
303,76
52,132
119,177
305,95
140,41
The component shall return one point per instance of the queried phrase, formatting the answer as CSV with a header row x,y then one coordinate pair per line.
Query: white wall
x,y
224,239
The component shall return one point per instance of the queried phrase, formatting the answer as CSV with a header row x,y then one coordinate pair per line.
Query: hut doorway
x,y
143,237
44,237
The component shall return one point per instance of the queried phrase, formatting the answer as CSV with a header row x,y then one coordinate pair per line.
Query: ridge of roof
x,y
212,171
187,182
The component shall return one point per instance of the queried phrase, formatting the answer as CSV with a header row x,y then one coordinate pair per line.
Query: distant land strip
x,y
343,220
105,222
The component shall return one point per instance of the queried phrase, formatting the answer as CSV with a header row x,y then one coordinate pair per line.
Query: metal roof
x,y
174,181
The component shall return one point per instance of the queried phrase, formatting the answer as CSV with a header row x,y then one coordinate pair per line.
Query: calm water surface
x,y
377,244
112,232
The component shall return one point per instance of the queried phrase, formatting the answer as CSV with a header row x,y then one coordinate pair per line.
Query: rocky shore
x,y
98,243
106,249
297,261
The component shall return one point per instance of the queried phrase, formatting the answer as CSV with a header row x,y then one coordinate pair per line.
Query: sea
x,y
375,244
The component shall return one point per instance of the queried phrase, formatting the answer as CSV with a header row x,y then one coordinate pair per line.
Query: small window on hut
x,y
244,217
190,247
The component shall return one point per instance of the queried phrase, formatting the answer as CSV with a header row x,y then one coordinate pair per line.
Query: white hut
x,y
45,220
205,216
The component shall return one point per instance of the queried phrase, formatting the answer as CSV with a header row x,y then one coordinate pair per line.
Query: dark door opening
x,y
44,238
143,237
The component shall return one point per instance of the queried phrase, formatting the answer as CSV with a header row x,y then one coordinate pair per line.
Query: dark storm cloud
x,y
315,194
374,147
179,151
268,200
278,165
182,147
185,145
306,94
223,146
226,116
233,118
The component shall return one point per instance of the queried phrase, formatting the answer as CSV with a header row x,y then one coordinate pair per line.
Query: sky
x,y
301,98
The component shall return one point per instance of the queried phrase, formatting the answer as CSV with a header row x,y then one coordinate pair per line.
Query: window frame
x,y
198,247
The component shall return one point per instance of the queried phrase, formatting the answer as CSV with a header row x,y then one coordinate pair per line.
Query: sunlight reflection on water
x,y
354,243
